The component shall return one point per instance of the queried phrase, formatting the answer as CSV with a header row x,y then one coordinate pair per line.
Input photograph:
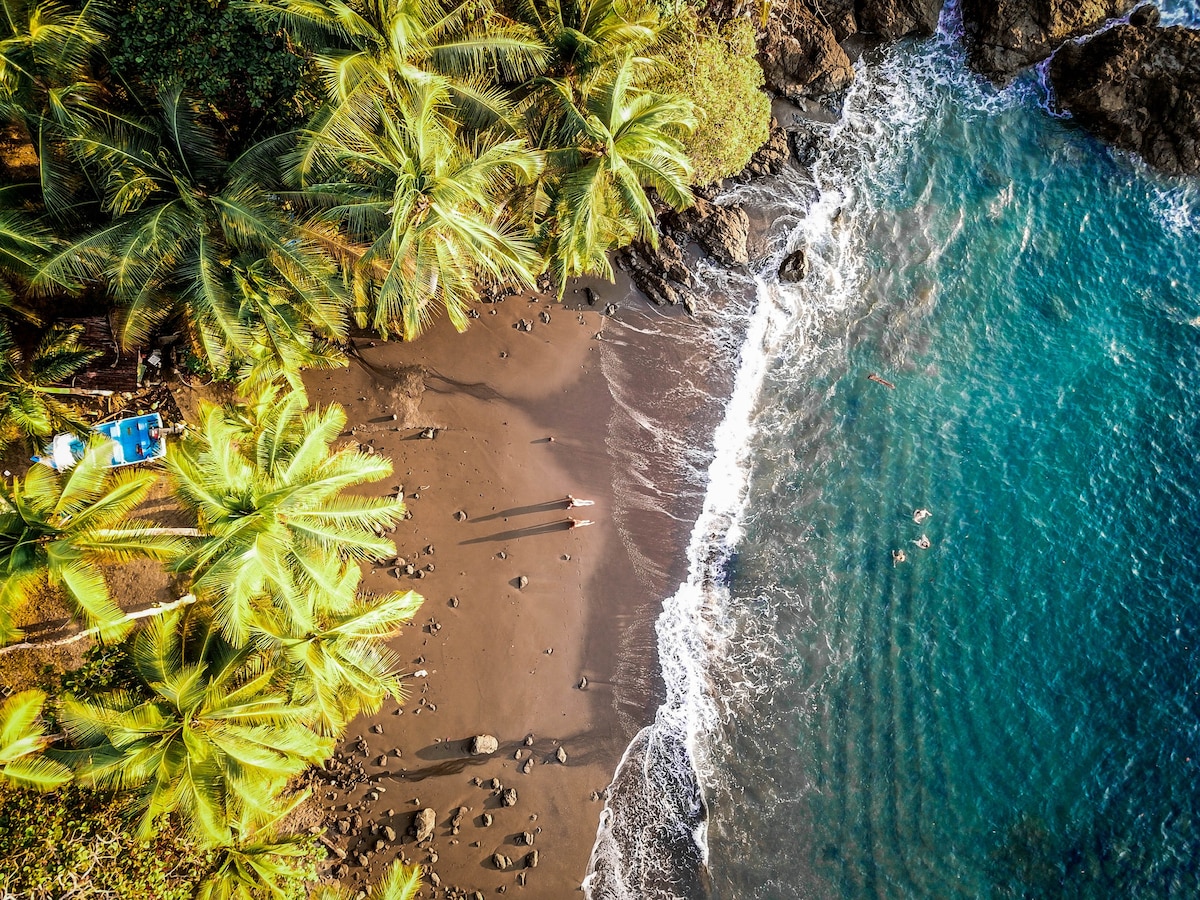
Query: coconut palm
x,y
22,739
211,739
400,882
423,214
23,243
331,644
189,230
46,87
31,396
56,529
258,863
271,496
383,48
614,141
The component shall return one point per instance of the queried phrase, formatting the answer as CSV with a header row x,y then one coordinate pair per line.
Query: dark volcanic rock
x,y
889,19
723,231
794,266
1005,36
1138,87
770,158
800,55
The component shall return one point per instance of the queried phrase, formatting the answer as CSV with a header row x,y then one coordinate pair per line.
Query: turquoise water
x,y
1015,711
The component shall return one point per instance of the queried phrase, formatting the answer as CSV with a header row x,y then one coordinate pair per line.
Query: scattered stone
x,y
529,740
361,859
527,838
454,603
611,309
509,797
495,784
500,861
591,296
531,859
502,555
561,755
457,819
517,754
528,767
389,832
583,683
487,820
435,879
522,581
382,761
544,316
424,823
428,434
461,515
483,744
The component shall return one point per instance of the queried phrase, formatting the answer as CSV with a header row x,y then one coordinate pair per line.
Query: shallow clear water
x,y
1015,711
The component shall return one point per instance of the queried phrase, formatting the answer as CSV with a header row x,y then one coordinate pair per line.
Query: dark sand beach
x,y
521,420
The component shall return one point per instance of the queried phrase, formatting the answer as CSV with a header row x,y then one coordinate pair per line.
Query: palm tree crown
x,y
211,740
29,404
270,495
57,528
192,233
423,214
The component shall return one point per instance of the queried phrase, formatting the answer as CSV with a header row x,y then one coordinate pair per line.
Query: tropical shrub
x,y
716,68
76,843
32,400
22,740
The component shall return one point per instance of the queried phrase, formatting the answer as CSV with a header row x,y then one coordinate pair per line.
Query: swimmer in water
x,y
898,557
921,515
924,542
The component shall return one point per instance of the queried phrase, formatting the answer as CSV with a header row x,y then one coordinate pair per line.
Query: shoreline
x,y
502,658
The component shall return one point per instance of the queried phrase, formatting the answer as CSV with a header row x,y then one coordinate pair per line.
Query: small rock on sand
x,y
500,861
483,744
509,797
528,767
424,823
561,755
522,581
531,859
583,683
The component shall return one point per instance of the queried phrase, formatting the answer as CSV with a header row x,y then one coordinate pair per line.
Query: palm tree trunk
x,y
185,600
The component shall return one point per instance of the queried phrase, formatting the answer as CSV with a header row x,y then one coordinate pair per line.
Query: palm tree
x,y
46,87
382,48
261,867
423,214
211,739
612,141
22,739
400,882
331,644
56,529
270,494
193,234
30,407
23,243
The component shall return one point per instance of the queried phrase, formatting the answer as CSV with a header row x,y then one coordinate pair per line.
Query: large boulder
x,y
1005,36
890,19
1137,86
483,744
800,55
723,231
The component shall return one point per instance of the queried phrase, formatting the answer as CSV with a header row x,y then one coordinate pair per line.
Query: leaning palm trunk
x,y
185,600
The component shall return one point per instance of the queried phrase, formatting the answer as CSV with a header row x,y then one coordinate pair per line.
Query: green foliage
x,y
105,667
30,404
218,54
57,528
399,882
74,842
273,500
718,71
22,739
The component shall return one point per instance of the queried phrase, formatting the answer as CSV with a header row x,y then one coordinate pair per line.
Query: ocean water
x,y
1014,711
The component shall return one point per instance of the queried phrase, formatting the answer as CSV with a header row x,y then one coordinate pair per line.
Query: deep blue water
x,y
1014,711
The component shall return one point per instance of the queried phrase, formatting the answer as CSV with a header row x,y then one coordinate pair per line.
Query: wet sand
x,y
521,421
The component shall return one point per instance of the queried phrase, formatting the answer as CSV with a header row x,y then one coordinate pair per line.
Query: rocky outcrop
x,y
890,19
1005,36
771,157
1137,86
723,231
800,55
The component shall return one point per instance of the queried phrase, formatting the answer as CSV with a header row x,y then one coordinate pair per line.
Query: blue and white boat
x,y
134,440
